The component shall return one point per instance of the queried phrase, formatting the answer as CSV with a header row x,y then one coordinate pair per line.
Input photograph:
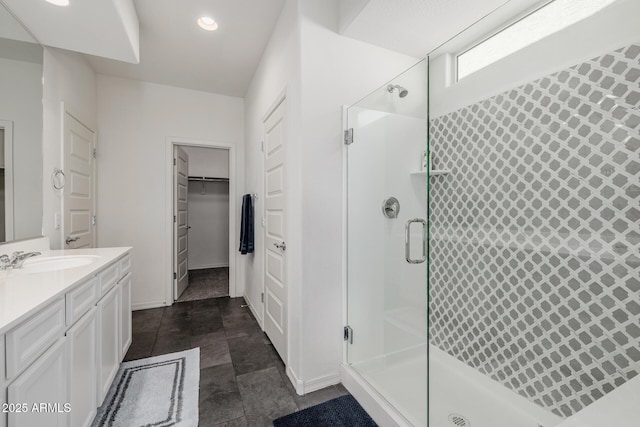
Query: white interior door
x,y
275,280
180,223
79,190
6,152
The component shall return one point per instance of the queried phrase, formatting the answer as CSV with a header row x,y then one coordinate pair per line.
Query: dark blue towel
x,y
246,226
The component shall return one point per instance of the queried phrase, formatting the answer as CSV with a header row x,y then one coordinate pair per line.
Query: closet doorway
x,y
202,222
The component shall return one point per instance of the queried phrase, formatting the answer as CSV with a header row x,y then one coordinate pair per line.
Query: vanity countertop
x,y
22,293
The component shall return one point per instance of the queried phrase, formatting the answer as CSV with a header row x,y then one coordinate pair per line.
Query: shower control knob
x,y
282,246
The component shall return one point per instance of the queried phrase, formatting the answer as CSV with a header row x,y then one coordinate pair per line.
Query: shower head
x,y
402,92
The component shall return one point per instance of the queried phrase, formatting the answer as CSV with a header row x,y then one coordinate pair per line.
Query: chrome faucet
x,y
16,259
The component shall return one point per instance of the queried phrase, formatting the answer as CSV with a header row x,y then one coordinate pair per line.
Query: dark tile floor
x,y
206,283
242,379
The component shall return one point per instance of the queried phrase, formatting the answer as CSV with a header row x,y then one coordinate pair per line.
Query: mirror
x,y
20,131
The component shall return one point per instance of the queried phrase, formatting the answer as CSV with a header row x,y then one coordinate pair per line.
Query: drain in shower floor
x,y
459,420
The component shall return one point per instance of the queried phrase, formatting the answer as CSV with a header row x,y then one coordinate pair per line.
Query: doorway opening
x,y
208,224
202,189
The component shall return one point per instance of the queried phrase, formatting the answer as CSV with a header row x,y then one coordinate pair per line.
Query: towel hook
x,y
58,179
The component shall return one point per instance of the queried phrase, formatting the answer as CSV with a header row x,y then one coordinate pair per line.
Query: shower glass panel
x,y
534,224
386,270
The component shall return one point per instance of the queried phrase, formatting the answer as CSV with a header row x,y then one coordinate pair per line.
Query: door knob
x,y
71,239
282,246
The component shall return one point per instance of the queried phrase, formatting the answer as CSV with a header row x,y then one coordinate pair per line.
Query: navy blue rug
x,y
343,411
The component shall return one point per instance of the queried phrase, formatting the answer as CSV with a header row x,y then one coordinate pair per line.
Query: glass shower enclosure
x,y
518,233
386,234
534,231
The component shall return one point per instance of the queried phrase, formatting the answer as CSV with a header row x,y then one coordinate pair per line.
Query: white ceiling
x,y
105,27
415,27
176,52
11,29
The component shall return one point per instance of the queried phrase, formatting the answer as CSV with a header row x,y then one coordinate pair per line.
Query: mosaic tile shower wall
x,y
535,233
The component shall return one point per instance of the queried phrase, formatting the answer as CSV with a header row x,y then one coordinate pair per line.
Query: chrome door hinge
x,y
261,145
93,220
94,153
262,297
348,334
348,136
174,162
174,219
175,276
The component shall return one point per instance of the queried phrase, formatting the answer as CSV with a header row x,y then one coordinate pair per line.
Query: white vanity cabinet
x,y
42,390
109,344
3,383
59,360
82,337
125,317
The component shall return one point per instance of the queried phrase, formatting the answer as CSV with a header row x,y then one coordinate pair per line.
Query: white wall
x,y
346,71
321,71
67,78
209,225
135,118
277,74
209,212
209,162
21,103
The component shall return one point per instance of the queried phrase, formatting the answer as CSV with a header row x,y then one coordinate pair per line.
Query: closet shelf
x,y
434,172
207,179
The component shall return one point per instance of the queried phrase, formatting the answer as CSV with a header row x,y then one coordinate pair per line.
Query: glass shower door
x,y
386,242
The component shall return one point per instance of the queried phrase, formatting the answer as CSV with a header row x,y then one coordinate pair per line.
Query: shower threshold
x,y
455,389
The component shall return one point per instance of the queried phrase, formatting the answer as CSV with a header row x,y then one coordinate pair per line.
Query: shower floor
x,y
402,383
401,380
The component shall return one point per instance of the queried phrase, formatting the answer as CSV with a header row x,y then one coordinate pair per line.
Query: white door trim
x,y
7,125
168,185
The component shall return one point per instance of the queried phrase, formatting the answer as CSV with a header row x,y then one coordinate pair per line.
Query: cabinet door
x,y
43,389
109,342
125,320
3,400
3,386
83,370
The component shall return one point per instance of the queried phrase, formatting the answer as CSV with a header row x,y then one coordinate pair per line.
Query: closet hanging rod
x,y
207,179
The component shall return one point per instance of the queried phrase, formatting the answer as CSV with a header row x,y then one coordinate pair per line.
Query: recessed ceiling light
x,y
207,23
59,2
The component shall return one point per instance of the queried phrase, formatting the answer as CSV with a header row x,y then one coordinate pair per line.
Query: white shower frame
x,y
172,141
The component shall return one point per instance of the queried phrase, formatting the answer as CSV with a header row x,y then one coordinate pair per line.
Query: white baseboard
x,y
382,412
321,382
303,387
146,305
204,267
254,311
297,383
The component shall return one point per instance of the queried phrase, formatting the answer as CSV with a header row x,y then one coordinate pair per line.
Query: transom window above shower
x,y
542,22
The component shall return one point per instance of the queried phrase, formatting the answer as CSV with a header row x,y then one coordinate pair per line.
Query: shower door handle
x,y
407,241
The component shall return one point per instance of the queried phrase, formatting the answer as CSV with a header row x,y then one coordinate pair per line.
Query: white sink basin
x,y
41,265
